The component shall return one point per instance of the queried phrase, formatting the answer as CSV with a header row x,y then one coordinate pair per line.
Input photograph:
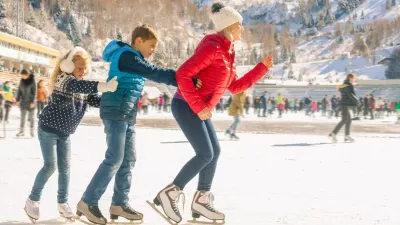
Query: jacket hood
x,y
111,48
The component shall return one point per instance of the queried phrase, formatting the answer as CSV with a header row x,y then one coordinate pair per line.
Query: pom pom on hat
x,y
223,16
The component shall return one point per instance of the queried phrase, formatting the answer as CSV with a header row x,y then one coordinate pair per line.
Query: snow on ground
x,y
280,179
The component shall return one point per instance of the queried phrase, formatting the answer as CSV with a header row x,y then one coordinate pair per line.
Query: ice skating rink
x,y
262,179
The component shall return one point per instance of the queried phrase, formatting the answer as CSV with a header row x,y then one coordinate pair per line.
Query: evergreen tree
x,y
355,16
56,12
31,19
300,78
338,30
119,35
343,8
253,57
362,15
76,34
36,4
276,36
291,74
393,3
89,30
312,22
284,54
320,21
293,58
69,32
393,70
2,9
329,18
340,40
388,4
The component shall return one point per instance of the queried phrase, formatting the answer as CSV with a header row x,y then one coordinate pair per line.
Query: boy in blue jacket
x,y
118,111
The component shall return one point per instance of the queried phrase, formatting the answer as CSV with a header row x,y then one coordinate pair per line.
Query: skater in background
x,y
247,104
348,99
214,63
371,104
314,108
41,97
329,109
55,128
145,103
366,106
8,100
263,106
26,97
236,109
281,107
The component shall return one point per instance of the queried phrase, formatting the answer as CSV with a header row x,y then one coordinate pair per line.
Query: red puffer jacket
x,y
215,66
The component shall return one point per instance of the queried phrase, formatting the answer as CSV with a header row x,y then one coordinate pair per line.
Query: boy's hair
x,y
145,32
350,76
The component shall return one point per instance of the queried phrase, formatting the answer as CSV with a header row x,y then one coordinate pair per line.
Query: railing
x,y
13,77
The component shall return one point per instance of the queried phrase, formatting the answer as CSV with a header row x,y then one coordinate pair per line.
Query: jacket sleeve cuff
x,y
262,68
199,107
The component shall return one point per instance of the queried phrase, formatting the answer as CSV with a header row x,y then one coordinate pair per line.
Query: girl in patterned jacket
x,y
70,96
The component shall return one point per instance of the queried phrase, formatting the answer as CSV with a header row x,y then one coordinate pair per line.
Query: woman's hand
x,y
268,61
197,83
205,114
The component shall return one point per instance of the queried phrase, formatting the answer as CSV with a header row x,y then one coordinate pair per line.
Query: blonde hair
x,y
57,70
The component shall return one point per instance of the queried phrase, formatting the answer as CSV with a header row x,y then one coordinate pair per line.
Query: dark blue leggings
x,y
203,138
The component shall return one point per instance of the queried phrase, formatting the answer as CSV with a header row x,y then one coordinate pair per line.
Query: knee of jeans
x,y
114,163
64,168
50,167
206,157
129,163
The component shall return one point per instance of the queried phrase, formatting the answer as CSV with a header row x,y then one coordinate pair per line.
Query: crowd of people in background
x,y
264,106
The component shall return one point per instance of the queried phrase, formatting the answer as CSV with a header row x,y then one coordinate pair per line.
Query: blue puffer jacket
x,y
131,70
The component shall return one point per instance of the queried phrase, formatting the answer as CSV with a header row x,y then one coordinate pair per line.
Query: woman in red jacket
x,y
213,62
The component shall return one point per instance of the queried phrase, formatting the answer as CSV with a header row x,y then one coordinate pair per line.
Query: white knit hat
x,y
223,17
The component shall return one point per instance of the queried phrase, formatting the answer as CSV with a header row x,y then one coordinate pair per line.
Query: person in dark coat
x,y
348,100
366,106
26,96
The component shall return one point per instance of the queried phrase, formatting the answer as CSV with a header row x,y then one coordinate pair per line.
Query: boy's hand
x,y
268,61
205,114
199,84
32,105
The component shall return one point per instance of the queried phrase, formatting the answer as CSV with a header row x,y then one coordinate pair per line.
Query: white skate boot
x,y
203,205
332,136
66,212
348,139
32,210
168,198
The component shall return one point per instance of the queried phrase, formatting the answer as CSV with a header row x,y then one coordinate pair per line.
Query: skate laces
x,y
210,201
65,207
96,211
130,209
175,203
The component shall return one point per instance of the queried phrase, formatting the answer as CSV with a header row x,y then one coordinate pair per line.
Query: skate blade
x,y
126,222
68,219
195,221
33,220
160,213
78,218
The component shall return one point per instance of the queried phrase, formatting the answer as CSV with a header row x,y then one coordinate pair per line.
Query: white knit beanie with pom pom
x,y
223,16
